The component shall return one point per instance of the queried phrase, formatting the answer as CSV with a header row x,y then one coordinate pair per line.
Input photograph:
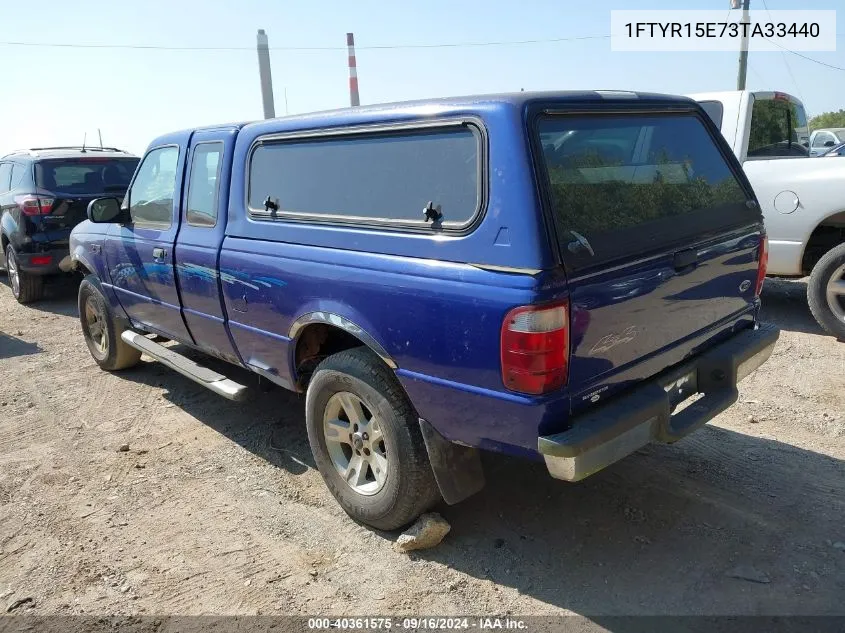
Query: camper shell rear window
x,y
622,184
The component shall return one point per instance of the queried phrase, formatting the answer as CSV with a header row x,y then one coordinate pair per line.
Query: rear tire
x,y
26,287
826,292
373,460
102,330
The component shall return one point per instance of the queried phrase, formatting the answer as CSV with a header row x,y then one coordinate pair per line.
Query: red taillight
x,y
762,265
33,205
535,348
40,260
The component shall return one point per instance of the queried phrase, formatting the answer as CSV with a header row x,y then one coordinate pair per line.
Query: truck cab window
x,y
202,189
822,138
151,195
778,129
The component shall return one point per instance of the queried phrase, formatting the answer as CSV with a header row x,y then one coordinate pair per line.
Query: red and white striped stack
x,y
353,71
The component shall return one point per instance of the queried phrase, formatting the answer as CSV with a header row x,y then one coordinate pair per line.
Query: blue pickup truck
x,y
564,276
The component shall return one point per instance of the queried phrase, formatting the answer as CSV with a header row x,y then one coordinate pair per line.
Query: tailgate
x,y
68,212
73,182
65,214
659,232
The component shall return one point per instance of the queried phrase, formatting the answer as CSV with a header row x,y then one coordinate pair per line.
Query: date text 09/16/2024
x,y
416,623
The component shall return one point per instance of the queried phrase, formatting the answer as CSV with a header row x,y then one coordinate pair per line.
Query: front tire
x,y
366,441
101,330
26,288
826,292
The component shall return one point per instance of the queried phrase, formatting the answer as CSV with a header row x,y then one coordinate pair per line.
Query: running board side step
x,y
218,383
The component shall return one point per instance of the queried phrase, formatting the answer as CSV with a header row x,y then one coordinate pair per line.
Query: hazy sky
x,y
53,95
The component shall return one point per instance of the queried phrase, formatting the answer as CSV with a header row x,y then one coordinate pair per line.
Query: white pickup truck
x,y
803,198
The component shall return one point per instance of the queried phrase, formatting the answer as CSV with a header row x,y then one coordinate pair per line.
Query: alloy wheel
x,y
355,443
12,271
836,293
96,322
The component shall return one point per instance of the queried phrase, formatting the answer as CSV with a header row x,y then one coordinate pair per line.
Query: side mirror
x,y
106,210
829,143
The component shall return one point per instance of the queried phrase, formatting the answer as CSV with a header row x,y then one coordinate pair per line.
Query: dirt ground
x,y
216,507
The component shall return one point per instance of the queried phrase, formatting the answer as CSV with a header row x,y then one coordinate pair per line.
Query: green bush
x,y
828,119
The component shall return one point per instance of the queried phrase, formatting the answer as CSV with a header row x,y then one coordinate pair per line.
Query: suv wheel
x,y
366,441
101,330
25,287
826,292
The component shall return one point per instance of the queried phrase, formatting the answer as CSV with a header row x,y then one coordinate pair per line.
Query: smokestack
x,y
353,71
264,74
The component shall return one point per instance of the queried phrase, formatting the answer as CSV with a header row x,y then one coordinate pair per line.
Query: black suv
x,y
44,193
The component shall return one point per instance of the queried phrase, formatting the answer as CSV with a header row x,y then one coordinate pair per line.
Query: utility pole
x,y
266,77
743,50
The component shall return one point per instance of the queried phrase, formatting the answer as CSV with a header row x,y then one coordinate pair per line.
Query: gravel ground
x,y
215,508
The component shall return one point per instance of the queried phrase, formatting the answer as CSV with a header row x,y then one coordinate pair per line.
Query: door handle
x,y
159,253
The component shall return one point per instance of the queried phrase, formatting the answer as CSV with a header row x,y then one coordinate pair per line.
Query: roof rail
x,y
76,147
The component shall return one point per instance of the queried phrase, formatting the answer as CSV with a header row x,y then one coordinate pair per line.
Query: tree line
x,y
828,119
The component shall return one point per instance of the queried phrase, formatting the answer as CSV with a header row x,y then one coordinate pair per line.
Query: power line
x,y
758,75
154,47
305,48
785,60
802,56
783,48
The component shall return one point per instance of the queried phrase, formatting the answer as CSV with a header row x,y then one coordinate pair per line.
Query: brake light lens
x,y
535,348
40,260
34,205
763,265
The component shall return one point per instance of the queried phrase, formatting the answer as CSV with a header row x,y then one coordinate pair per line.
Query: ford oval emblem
x,y
745,285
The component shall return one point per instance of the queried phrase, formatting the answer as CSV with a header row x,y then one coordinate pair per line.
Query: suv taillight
x,y
762,265
34,205
535,348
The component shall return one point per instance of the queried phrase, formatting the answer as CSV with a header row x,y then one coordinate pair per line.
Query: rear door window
x,y
380,178
18,172
202,187
85,175
626,184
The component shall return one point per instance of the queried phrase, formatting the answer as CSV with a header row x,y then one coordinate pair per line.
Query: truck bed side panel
x,y
431,317
819,187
